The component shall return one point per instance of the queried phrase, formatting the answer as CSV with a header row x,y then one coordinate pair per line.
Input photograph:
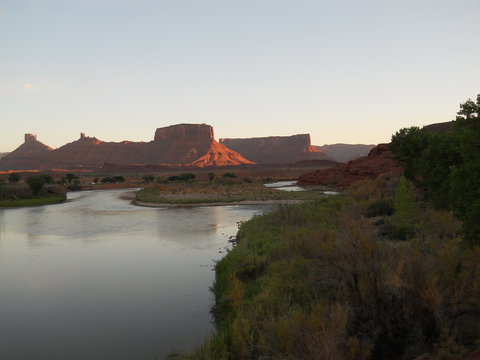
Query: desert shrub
x,y
113,179
70,178
182,177
380,207
16,191
211,176
148,179
52,190
229,175
14,177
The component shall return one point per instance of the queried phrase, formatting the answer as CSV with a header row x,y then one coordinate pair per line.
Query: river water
x,y
98,278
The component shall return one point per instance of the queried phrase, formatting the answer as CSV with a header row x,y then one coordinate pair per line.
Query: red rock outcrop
x,y
180,145
341,176
276,149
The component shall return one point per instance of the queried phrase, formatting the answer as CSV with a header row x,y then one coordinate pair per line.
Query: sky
x,y
342,70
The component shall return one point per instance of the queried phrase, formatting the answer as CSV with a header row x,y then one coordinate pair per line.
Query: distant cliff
x,y
345,152
179,145
276,149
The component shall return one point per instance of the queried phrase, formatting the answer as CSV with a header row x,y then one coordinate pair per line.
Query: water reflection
x,y
98,278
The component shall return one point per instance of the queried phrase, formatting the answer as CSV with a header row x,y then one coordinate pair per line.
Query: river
x,y
99,278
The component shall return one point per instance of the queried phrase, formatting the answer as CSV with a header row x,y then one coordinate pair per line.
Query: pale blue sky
x,y
342,70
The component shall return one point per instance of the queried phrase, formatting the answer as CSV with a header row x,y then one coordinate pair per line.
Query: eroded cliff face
x,y
276,149
179,145
379,160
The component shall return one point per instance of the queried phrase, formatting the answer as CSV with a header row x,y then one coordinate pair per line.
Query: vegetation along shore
x,y
387,270
185,190
35,190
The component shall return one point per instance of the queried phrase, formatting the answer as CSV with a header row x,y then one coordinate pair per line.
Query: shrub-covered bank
x,y
35,191
338,278
32,202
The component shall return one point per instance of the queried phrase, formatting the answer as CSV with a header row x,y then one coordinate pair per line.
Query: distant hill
x,y
442,127
276,149
177,145
345,152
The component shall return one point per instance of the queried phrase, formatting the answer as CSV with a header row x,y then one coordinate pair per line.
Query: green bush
x,y
380,207
182,177
113,179
36,182
148,178
14,177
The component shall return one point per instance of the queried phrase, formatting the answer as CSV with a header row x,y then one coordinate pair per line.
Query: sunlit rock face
x,y
379,160
182,144
276,149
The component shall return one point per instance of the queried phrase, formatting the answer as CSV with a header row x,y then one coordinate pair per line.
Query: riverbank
x,y
231,192
333,279
193,204
32,202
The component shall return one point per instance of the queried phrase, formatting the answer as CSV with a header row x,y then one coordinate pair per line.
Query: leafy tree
x,y
2,183
14,177
465,176
211,176
36,182
70,178
435,168
407,145
403,205
148,178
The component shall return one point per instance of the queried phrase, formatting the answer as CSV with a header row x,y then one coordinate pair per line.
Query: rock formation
x,y
276,149
379,161
179,145
32,154
345,152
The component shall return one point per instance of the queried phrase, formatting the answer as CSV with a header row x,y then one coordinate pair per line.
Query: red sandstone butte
x,y
276,149
379,160
180,145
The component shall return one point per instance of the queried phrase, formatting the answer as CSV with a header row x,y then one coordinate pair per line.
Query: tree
x,y
435,163
407,145
2,183
148,178
465,176
70,178
404,210
14,177
36,182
